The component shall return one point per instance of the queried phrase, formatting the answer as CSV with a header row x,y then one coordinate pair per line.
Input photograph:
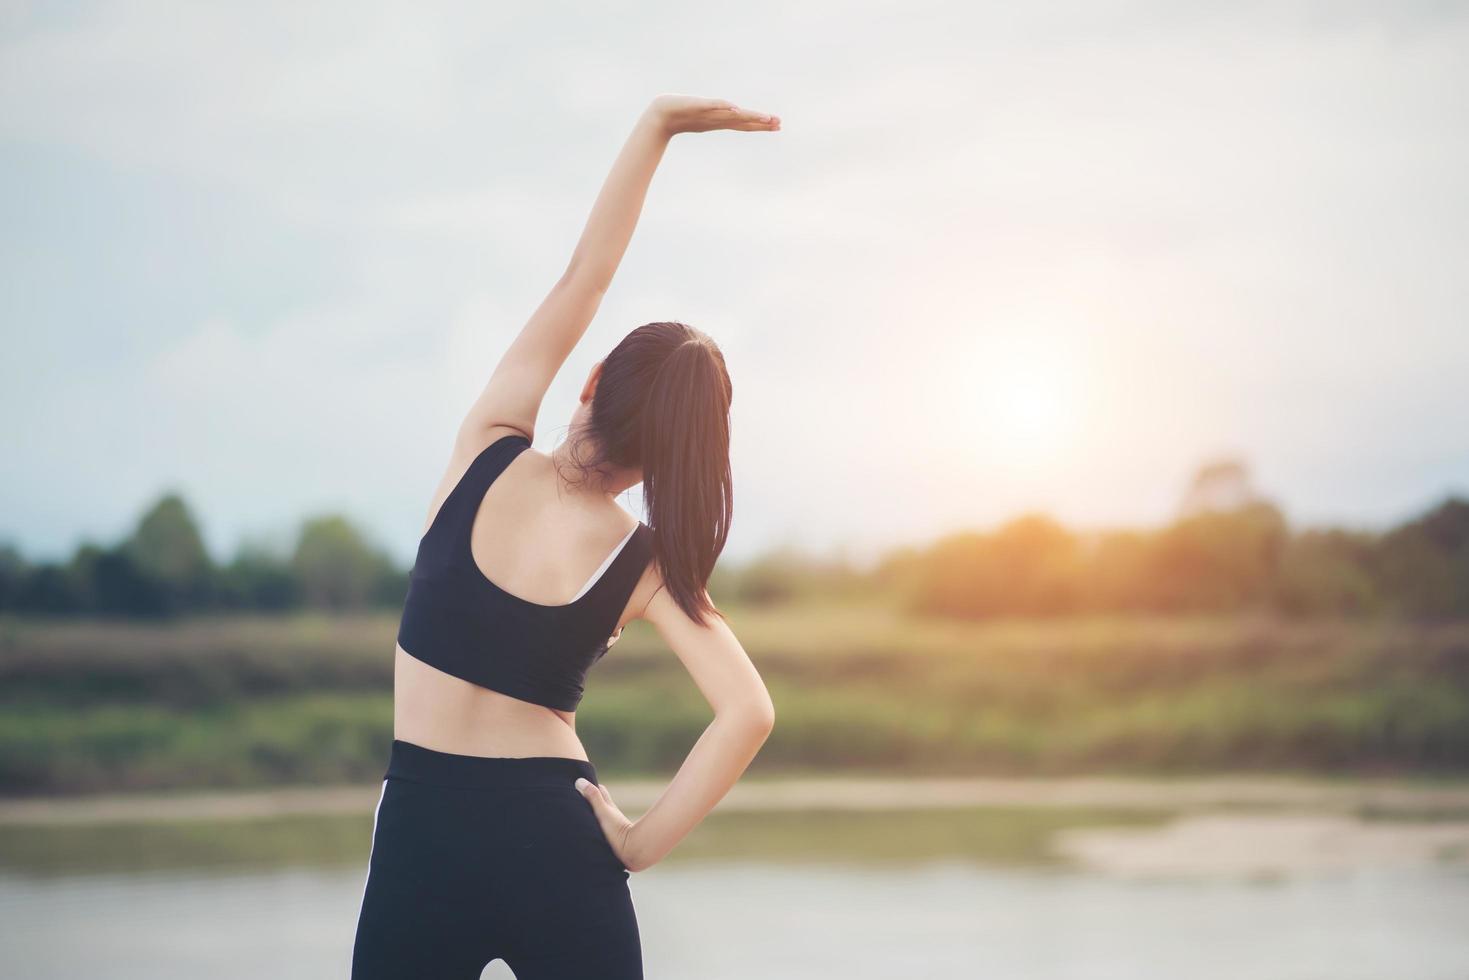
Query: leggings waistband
x,y
411,761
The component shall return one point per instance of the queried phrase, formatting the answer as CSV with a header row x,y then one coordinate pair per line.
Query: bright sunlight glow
x,y
1030,399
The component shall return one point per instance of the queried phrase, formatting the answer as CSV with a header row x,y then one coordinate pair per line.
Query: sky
x,y
1000,258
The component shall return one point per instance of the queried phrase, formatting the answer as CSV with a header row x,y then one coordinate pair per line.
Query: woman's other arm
x,y
743,718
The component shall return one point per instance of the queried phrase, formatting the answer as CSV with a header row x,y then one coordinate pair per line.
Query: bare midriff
x,y
439,711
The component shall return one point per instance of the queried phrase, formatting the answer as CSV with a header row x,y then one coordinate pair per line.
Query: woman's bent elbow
x,y
762,718
754,717
754,720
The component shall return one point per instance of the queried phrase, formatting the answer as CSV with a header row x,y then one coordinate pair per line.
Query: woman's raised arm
x,y
513,395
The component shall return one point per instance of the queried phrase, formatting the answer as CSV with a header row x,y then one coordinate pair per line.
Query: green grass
x,y
1000,836
246,701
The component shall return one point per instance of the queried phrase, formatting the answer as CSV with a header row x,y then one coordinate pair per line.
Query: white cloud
x,y
1252,214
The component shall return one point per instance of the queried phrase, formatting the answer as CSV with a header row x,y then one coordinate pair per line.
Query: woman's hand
x,y
616,826
691,114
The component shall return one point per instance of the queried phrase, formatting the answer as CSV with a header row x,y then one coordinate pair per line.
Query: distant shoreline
x,y
1375,795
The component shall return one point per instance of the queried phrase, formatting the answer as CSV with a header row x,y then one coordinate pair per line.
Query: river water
x,y
1008,894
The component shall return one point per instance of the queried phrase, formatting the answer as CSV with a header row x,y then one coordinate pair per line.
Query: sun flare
x,y
1031,404
1030,400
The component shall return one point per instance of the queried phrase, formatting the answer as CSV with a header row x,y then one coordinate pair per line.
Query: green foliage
x,y
257,578
858,687
1216,561
167,551
337,568
1328,572
1424,565
787,575
13,573
1029,567
1244,560
162,569
1239,560
307,739
1022,837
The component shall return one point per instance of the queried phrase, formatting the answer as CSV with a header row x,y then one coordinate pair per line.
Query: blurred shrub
x,y
1029,567
787,575
163,569
336,568
1244,558
1328,572
1422,568
858,686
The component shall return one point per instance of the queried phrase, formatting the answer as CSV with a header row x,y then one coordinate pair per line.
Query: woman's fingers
x,y
615,826
691,114
590,790
758,126
751,119
607,812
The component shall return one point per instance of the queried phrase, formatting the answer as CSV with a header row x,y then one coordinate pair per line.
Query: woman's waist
x,y
471,734
418,763
441,711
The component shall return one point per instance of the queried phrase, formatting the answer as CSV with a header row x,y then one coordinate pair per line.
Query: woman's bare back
x,y
535,539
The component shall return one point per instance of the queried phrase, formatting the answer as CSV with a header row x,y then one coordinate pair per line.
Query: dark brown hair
x,y
662,405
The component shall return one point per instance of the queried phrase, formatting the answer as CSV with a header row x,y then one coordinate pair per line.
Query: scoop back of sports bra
x,y
456,620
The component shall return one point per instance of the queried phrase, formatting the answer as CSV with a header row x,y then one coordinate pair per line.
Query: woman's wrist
x,y
633,849
657,120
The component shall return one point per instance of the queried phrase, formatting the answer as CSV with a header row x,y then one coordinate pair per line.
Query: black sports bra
x,y
457,620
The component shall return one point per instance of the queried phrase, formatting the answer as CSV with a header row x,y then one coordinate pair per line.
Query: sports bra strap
x,y
448,539
606,563
452,524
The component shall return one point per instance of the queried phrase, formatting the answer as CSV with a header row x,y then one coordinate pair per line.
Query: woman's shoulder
x,y
491,434
626,519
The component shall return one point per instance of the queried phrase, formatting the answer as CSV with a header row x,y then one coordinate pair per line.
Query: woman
x,y
492,837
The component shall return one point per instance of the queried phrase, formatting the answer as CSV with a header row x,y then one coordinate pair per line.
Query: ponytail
x,y
662,404
687,481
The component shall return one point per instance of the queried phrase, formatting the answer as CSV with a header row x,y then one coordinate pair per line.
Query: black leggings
x,y
475,858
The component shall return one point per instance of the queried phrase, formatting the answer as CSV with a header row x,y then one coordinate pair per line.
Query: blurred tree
x,y
1423,566
1219,558
259,578
1327,572
117,586
167,547
786,574
336,567
1219,485
1216,561
50,590
1029,567
1117,574
13,571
